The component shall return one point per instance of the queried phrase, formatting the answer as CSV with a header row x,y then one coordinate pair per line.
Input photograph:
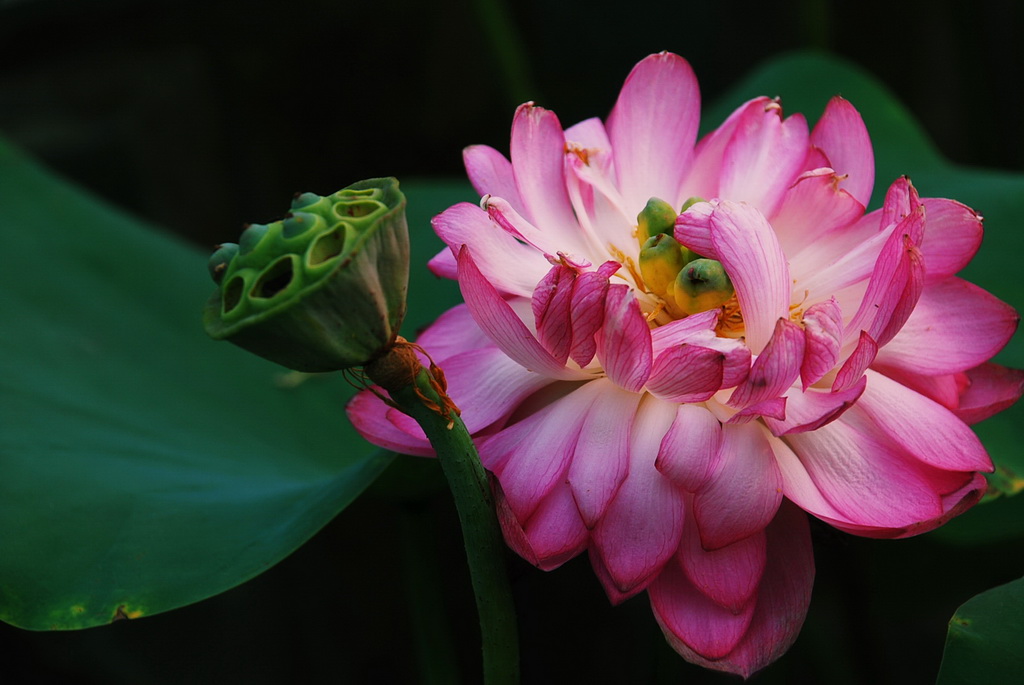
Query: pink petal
x,y
992,389
652,129
729,576
952,236
687,373
496,318
700,629
744,490
703,177
812,409
823,335
454,332
373,419
855,365
841,134
812,207
896,283
624,340
736,365
641,527
763,158
945,390
494,250
537,150
548,240
681,330
487,385
782,597
751,255
490,172
863,475
531,456
588,299
775,369
691,447
555,531
693,229
551,310
773,407
924,428
955,326
601,460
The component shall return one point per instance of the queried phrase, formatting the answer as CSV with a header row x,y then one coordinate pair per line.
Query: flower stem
x,y
412,389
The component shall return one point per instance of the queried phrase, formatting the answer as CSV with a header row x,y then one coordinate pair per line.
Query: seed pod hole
x,y
233,293
327,246
356,209
274,279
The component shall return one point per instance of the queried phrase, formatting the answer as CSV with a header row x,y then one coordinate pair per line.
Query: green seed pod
x,y
661,259
702,285
323,289
657,217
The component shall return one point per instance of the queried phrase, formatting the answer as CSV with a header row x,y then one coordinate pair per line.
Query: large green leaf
x,y
984,641
805,83
142,465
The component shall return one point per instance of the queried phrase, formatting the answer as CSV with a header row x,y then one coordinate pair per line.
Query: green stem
x,y
485,546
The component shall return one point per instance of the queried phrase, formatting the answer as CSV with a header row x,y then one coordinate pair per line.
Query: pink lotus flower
x,y
667,393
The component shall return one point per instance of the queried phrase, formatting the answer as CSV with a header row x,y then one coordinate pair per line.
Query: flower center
x,y
683,281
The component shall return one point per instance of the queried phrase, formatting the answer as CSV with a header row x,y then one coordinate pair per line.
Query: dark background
x,y
199,116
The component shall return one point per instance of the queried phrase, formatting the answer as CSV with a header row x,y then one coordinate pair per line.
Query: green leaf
x,y
144,466
984,641
805,82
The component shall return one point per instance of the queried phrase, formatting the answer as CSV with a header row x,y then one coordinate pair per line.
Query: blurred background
x,y
199,116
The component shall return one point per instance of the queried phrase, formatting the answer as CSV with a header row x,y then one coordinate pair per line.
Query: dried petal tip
x,y
323,289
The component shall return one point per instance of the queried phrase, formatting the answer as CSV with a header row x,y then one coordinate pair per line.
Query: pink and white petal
x,y
601,460
537,151
837,261
952,236
702,180
955,326
744,490
652,128
494,250
729,576
641,527
922,427
747,248
813,206
550,240
383,426
812,409
782,597
496,318
687,373
454,332
775,369
490,172
680,331
624,340
901,200
531,456
992,389
823,335
555,531
487,385
763,157
701,630
868,479
691,447
842,136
